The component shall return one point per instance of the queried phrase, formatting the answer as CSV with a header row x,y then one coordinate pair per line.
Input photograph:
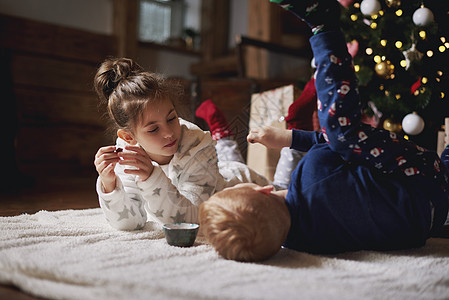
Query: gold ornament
x,y
384,69
390,125
393,3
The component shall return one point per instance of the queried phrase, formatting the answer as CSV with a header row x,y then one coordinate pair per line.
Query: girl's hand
x,y
139,159
105,160
270,137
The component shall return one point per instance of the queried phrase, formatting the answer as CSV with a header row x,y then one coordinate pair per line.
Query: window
x,y
160,20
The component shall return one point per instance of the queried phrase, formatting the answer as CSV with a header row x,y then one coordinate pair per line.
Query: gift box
x,y
268,108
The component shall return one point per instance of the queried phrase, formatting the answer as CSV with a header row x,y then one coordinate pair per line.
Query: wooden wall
x,y
52,108
53,121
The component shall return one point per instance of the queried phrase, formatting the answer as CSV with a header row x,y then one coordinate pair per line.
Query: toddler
x,y
357,188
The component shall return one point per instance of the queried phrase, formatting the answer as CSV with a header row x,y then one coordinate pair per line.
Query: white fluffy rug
x,y
74,254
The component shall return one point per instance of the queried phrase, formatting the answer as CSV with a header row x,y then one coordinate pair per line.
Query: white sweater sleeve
x,y
191,178
123,207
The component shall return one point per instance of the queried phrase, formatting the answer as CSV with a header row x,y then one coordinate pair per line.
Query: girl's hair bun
x,y
111,72
126,89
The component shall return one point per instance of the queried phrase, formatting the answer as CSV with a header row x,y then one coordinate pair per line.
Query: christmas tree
x,y
402,62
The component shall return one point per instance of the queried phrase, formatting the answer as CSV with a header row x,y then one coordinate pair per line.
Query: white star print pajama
x,y
173,192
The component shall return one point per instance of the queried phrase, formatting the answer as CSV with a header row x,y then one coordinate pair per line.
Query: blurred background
x,y
50,50
224,50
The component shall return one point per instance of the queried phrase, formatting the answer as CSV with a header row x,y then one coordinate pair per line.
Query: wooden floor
x,y
53,193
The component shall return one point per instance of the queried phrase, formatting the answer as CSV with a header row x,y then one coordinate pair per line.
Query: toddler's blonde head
x,y
244,224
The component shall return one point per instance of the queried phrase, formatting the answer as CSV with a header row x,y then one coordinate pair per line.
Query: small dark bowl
x,y
181,234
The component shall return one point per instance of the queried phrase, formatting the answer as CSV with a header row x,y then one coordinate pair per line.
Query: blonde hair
x,y
127,90
243,225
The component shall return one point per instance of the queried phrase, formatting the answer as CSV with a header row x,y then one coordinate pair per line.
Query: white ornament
x,y
370,7
413,124
423,16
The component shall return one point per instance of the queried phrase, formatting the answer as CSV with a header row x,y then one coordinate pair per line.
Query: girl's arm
x,y
167,200
124,206
177,199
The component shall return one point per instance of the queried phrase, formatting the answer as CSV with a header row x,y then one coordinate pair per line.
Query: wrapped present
x,y
268,108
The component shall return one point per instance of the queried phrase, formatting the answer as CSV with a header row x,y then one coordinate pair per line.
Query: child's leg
x,y
287,163
300,116
227,148
318,14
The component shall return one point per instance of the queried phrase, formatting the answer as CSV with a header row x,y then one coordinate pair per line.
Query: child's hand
x,y
270,137
105,160
136,157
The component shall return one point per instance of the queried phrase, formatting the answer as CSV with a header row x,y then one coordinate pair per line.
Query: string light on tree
x,y
422,34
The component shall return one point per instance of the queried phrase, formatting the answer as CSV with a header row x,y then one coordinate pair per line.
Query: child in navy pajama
x,y
357,188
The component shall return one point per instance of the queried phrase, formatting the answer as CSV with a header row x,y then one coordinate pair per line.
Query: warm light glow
x,y
442,48
381,87
430,53
403,63
369,51
356,68
398,44
399,12
383,42
357,5
383,58
446,44
377,59
406,137
442,95
422,34
440,73
416,93
373,25
443,39
374,17
392,76
381,12
387,93
424,80
354,17
397,96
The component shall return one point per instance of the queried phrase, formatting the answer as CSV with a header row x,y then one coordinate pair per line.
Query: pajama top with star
x,y
173,192
359,187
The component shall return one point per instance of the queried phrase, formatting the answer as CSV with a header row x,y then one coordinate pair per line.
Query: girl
x,y
162,167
